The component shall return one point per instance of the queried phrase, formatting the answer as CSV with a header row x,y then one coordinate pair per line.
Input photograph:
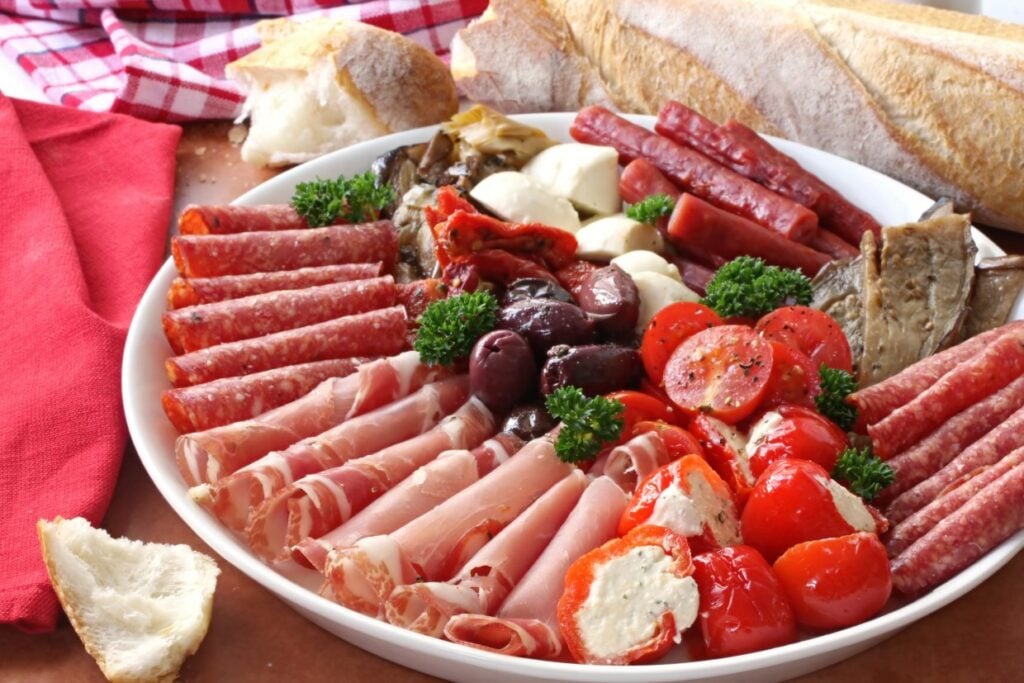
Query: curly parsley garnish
x,y
449,328
651,208
836,385
863,472
747,286
587,423
356,199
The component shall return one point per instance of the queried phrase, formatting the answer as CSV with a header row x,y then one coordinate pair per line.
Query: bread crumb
x,y
200,151
237,134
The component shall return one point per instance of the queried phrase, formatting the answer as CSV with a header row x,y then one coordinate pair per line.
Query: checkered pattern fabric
x,y
164,59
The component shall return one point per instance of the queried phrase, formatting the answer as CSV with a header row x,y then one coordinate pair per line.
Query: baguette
x,y
931,97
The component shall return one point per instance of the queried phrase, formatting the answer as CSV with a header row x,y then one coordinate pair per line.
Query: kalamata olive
x,y
501,369
611,300
529,422
547,322
535,288
595,369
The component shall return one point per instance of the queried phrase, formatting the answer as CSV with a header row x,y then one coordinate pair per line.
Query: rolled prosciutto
x,y
319,502
629,464
205,457
434,546
484,582
526,625
234,497
214,219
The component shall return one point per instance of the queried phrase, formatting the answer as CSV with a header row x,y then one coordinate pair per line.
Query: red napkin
x,y
85,202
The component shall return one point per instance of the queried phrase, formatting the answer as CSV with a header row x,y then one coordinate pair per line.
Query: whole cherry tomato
x,y
836,582
794,432
640,407
794,378
742,605
811,332
669,328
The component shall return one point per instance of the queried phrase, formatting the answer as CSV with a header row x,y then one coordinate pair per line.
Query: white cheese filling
x,y
761,430
738,443
687,513
850,506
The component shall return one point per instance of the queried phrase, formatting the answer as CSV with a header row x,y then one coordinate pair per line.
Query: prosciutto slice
x,y
233,498
484,582
319,502
527,624
629,464
427,488
205,457
434,546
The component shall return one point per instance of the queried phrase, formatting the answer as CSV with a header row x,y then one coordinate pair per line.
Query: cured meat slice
x,y
925,519
434,546
875,402
205,325
222,219
207,290
234,497
526,625
319,502
989,449
205,457
997,284
223,401
991,516
416,296
839,291
430,486
262,252
971,381
382,332
485,581
629,464
927,457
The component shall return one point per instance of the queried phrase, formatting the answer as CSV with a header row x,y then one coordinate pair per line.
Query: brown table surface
x,y
255,637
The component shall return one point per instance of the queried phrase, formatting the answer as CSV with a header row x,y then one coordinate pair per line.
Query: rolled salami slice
x,y
262,252
958,495
222,219
974,380
991,516
207,290
430,486
485,581
526,625
434,546
629,464
377,333
205,457
223,401
234,497
319,502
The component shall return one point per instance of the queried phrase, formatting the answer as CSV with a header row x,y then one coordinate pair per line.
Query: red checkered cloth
x,y
164,59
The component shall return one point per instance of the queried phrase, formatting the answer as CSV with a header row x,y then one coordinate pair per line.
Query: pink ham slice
x,y
527,625
629,464
429,486
319,502
486,580
434,546
205,457
233,498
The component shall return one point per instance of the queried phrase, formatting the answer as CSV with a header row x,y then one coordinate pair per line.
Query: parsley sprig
x,y
587,423
836,385
651,208
356,199
449,328
863,472
747,286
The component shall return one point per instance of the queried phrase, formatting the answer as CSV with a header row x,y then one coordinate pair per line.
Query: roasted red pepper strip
x,y
649,570
465,233
448,202
494,265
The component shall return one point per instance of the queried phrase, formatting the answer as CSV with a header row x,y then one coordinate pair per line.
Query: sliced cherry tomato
x,y
670,327
794,432
725,450
794,378
722,372
640,407
742,605
836,582
810,331
678,441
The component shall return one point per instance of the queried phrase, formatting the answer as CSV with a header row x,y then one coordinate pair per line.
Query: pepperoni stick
x,y
833,245
214,219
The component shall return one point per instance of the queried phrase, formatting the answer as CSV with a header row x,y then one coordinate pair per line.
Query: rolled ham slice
x,y
205,457
319,502
429,486
629,464
213,219
235,496
434,546
485,581
526,625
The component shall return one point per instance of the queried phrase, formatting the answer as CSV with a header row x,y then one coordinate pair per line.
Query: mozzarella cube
x,y
517,198
602,239
586,175
643,261
656,292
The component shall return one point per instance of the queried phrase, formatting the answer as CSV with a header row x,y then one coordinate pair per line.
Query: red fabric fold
x,y
85,204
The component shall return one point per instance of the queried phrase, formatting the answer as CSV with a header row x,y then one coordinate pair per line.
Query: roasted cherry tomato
x,y
672,325
465,232
810,331
640,407
725,449
722,372
794,432
794,378
796,501
742,605
836,582
678,441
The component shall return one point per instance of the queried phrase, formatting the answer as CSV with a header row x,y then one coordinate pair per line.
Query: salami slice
x,y
199,327
223,401
211,219
207,290
261,252
966,384
382,332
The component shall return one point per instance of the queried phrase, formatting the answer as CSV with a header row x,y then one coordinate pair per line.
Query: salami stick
x,y
208,219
